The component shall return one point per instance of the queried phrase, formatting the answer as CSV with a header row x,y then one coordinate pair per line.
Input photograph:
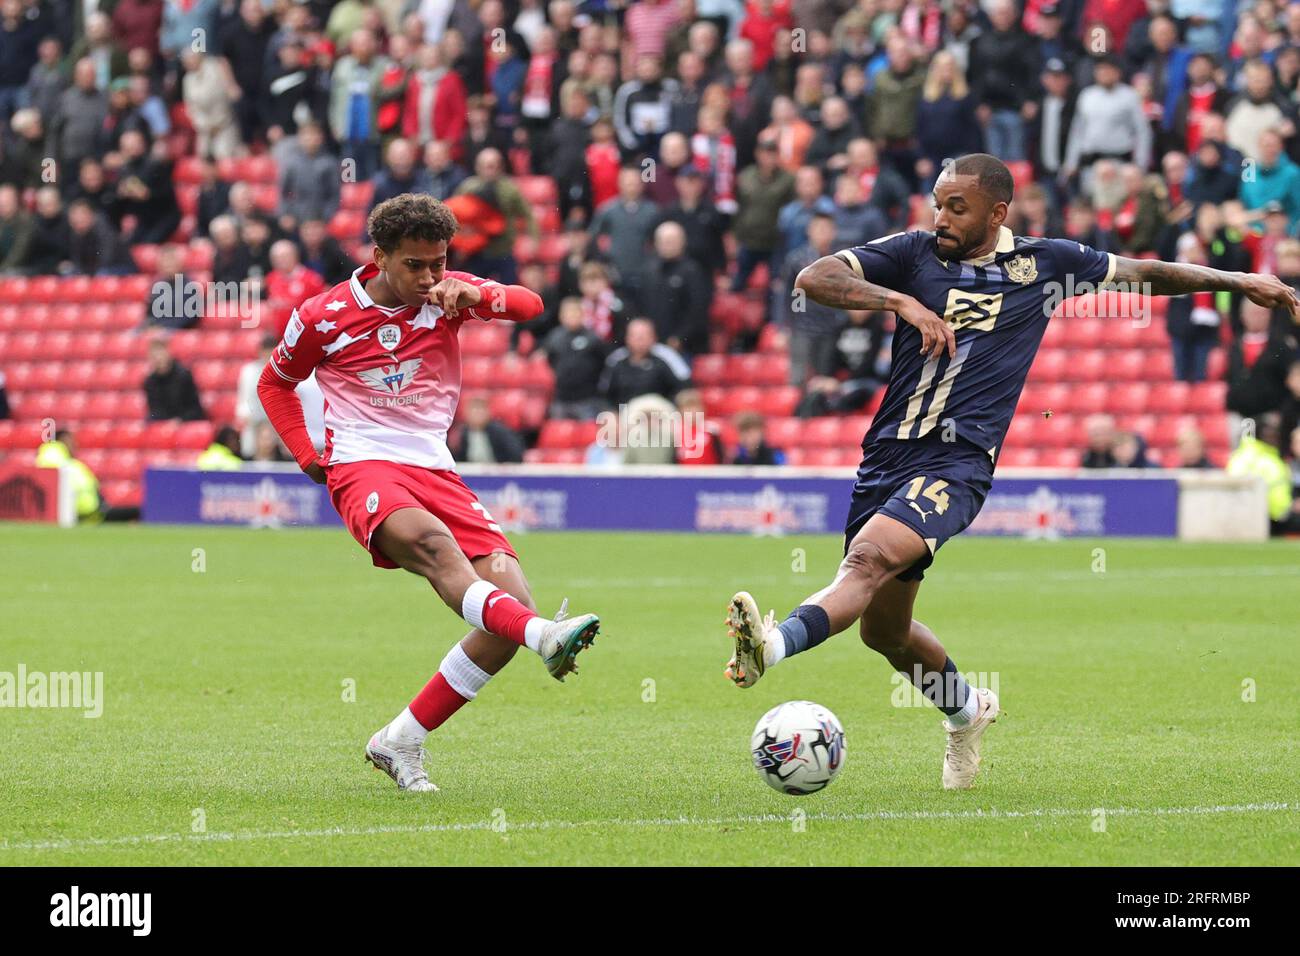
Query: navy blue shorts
x,y
934,487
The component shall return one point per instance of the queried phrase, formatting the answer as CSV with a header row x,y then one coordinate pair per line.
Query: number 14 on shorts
x,y
917,487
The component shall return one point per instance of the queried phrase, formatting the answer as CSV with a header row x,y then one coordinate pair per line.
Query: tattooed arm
x,y
1177,278
831,282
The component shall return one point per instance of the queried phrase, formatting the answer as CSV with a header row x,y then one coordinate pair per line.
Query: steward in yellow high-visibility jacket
x,y
85,486
1260,456
223,453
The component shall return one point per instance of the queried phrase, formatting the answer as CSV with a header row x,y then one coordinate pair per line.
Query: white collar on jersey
x,y
363,298
358,291
1006,243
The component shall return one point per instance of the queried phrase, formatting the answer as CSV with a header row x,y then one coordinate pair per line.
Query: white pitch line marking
x,y
478,825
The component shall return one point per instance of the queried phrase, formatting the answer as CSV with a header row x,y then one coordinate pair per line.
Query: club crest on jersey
x,y
1022,269
388,337
391,378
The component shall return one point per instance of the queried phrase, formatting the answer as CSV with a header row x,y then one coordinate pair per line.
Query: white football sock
x,y
406,727
471,605
968,711
462,674
533,634
773,649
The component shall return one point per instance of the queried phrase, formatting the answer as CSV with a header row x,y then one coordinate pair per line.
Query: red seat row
x,y
749,369
1202,398
1102,365
21,290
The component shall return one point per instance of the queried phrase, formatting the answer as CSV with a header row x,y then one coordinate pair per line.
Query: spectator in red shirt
x,y
602,163
763,20
290,283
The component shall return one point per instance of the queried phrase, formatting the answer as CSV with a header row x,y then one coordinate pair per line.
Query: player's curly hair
x,y
410,216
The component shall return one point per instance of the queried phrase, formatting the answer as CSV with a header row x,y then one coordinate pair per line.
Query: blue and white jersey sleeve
x,y
1084,263
886,261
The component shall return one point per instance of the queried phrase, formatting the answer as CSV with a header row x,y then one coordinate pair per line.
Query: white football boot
x,y
403,760
961,759
751,634
564,638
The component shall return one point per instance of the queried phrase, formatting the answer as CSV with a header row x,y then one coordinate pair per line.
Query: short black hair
x,y
994,177
410,216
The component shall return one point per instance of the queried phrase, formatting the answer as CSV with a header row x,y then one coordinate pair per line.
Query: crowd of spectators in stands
x,y
694,143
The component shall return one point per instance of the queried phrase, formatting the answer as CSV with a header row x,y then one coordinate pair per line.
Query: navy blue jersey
x,y
998,307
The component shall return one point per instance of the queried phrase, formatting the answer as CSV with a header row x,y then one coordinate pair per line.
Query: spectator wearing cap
x,y
704,225
945,119
682,295
1049,131
761,190
1276,179
1003,64
1053,41
1109,122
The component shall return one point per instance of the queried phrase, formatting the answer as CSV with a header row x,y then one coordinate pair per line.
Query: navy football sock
x,y
807,626
948,690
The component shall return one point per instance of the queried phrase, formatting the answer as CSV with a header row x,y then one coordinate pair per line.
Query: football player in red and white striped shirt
x,y
384,349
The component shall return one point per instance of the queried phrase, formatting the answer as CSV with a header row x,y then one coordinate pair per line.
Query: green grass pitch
x,y
226,737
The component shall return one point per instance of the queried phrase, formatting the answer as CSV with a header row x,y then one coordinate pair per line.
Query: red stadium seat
x,y
1170,398
356,196
533,412
1120,333
1128,398
21,436
79,289
1083,333
782,400
709,370
193,435
1018,457
1049,366
852,430
1208,398
1158,365
538,190
44,289
823,458
1125,366
773,339
1217,366
220,406
161,435
784,432
1087,366
1059,458
538,376
820,433
1089,399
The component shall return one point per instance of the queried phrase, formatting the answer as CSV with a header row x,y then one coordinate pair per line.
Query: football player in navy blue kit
x,y
973,302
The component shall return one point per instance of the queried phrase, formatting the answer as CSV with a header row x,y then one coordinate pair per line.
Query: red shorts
x,y
364,493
